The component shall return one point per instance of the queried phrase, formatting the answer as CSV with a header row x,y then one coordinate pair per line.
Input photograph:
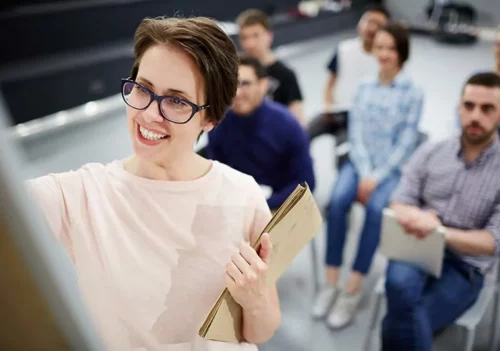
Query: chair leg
x,y
494,323
314,262
469,339
373,322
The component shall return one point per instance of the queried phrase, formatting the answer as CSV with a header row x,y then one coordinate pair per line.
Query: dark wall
x,y
69,27
58,57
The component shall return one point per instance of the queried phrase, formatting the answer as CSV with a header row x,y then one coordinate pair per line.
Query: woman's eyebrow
x,y
166,92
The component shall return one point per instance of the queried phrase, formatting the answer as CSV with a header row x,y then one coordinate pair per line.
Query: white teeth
x,y
147,134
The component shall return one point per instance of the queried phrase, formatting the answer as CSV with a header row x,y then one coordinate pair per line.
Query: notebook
x,y
292,226
427,254
39,291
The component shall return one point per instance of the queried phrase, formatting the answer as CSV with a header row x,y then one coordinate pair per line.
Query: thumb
x,y
265,248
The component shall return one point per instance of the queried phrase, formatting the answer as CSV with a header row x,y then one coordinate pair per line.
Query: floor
x,y
439,68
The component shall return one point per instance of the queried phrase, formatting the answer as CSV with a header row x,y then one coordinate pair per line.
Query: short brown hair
x,y
251,61
401,39
484,79
251,17
210,48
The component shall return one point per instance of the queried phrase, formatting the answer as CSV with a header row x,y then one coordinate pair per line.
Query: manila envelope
x,y
294,224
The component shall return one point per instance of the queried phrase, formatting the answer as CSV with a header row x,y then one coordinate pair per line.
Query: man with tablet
x,y
452,186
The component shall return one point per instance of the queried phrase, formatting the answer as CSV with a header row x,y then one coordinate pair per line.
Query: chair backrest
x,y
493,276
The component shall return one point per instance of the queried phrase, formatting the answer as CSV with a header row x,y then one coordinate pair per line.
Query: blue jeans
x,y
419,305
343,197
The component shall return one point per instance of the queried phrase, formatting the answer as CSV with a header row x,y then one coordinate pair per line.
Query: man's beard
x,y
479,139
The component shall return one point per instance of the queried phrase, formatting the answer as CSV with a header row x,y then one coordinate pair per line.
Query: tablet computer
x,y
427,254
39,293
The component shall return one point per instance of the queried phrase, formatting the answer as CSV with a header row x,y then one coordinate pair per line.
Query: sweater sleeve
x,y
300,167
213,148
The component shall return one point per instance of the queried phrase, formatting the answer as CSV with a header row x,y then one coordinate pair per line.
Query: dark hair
x,y
251,17
401,40
484,79
377,8
210,48
248,60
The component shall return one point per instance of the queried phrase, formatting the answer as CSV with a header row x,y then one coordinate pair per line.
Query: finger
x,y
230,283
233,271
266,248
241,263
250,255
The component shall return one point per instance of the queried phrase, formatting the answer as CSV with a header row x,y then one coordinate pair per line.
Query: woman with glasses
x,y
155,238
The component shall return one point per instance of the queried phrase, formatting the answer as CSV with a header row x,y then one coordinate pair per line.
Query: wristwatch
x,y
442,229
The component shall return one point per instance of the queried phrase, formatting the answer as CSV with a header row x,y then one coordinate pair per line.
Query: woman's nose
x,y
153,113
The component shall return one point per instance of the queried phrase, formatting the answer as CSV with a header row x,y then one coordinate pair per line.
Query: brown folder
x,y
294,224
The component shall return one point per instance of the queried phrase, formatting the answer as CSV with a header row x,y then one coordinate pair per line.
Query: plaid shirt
x,y
383,126
465,195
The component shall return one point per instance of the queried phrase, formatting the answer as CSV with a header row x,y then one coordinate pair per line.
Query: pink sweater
x,y
150,255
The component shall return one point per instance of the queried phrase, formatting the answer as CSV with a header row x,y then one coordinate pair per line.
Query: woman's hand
x,y
246,275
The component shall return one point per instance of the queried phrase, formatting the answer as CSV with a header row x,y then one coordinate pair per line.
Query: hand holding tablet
x,y
424,251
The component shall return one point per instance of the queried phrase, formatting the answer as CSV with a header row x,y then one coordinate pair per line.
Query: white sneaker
x,y
344,310
324,301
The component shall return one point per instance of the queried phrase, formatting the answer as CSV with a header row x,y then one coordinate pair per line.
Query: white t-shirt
x,y
351,63
150,255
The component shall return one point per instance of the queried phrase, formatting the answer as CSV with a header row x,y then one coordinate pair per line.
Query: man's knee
x,y
403,284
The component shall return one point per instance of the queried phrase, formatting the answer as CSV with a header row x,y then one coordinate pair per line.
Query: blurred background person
x,y
261,138
351,62
383,133
497,54
453,184
145,233
256,37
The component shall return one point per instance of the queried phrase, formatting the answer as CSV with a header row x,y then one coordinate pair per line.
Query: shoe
x,y
324,301
344,310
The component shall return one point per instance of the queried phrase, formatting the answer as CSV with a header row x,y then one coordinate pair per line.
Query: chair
x,y
342,153
469,320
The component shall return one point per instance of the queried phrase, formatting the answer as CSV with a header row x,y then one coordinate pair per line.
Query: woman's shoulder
x,y
71,179
235,179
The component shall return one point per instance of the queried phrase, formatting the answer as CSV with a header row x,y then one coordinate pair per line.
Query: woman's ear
x,y
207,126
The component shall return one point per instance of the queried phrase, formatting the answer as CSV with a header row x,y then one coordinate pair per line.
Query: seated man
x,y
262,138
453,184
255,38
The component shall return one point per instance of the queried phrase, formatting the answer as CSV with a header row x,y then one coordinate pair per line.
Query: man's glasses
x,y
172,108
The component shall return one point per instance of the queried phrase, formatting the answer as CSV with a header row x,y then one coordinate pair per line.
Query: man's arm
x,y
294,98
330,82
300,167
328,98
478,242
472,242
408,193
297,110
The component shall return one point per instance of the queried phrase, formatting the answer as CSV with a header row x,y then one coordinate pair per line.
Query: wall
x,y
413,11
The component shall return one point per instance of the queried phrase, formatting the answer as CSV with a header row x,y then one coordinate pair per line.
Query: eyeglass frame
x,y
159,99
